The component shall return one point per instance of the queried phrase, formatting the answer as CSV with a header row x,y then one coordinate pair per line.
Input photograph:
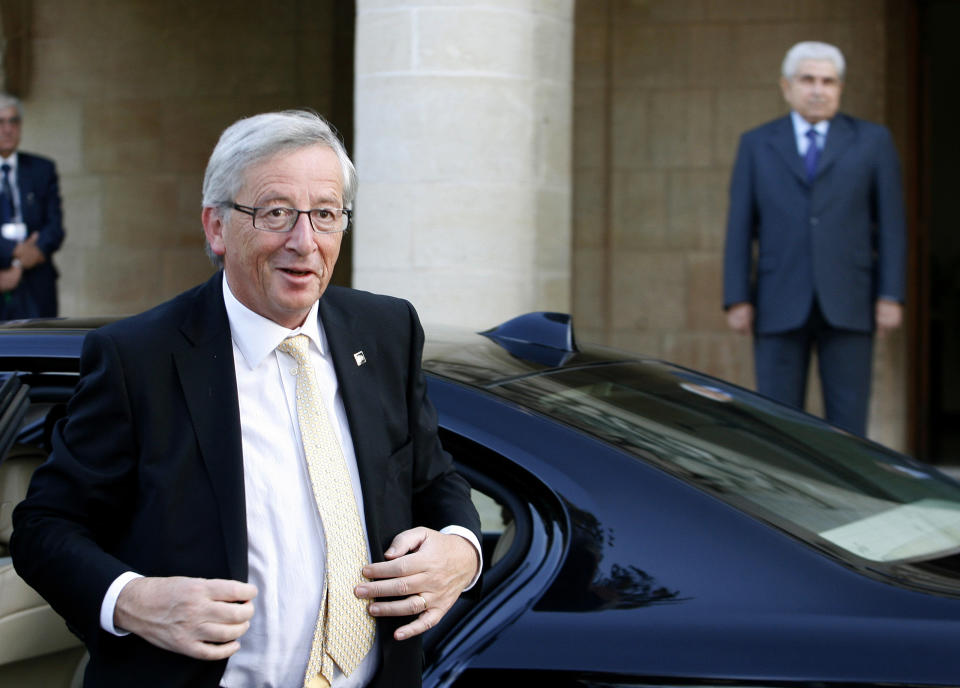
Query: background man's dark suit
x,y
39,189
837,243
155,460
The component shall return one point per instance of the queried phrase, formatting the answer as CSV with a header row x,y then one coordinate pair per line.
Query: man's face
x,y
280,275
814,90
9,131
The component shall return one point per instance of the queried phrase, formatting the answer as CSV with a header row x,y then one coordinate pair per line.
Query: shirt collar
x,y
256,336
800,125
12,160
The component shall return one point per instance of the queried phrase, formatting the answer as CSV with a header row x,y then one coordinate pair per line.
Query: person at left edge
x,y
177,503
34,229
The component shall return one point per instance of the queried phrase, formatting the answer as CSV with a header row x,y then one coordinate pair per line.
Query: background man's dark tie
x,y
6,196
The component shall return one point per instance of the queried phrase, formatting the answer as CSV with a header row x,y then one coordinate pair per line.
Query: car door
x,y
36,649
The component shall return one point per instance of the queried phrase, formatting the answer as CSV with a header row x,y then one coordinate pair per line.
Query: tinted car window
x,y
783,465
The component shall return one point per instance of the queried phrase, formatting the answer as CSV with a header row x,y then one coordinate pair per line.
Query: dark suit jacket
x,y
840,240
147,470
39,188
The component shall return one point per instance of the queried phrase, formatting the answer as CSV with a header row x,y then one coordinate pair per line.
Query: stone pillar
x,y
463,128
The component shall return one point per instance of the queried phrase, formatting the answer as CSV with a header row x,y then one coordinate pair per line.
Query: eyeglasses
x,y
12,121
277,219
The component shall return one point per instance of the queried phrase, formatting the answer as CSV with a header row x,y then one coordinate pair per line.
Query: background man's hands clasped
x,y
28,253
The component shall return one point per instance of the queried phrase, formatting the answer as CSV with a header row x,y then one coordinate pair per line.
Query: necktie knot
x,y
297,347
6,169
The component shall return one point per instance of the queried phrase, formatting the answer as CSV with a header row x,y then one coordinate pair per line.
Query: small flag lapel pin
x,y
359,358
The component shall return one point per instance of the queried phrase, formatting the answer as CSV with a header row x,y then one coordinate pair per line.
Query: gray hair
x,y
7,100
812,50
253,139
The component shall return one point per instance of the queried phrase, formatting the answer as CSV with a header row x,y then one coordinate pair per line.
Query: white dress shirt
x,y
286,545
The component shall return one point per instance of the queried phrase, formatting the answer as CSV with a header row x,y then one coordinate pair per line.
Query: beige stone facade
x,y
513,154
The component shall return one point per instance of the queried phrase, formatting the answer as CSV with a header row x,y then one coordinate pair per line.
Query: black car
x,y
644,524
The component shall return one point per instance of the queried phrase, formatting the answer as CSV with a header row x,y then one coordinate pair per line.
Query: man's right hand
x,y
740,317
197,617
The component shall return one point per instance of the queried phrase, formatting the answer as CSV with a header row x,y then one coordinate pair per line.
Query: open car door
x,y
36,649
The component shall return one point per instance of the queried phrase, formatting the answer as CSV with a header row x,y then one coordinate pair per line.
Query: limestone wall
x,y
129,97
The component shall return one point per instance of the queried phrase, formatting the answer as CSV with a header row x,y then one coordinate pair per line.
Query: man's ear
x,y
213,225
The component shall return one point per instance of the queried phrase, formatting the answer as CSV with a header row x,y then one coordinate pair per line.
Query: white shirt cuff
x,y
110,602
472,539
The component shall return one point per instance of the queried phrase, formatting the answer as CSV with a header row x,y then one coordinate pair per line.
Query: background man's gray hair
x,y
253,139
7,100
813,50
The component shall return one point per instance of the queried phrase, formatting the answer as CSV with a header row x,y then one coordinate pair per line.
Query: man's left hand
x,y
889,316
425,568
28,254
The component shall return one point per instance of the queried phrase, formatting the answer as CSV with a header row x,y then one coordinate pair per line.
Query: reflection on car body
x,y
644,524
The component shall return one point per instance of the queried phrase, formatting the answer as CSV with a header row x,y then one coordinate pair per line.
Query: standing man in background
x,y
819,193
31,228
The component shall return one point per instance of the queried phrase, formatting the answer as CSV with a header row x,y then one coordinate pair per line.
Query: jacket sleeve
x,y
890,222
741,221
50,227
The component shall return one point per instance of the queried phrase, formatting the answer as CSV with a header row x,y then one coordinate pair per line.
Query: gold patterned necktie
x,y
344,631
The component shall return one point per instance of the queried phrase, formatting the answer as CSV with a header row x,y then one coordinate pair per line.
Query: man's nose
x,y
302,238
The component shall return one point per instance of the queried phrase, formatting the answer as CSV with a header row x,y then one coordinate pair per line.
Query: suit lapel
x,y
784,141
208,378
839,140
25,187
357,378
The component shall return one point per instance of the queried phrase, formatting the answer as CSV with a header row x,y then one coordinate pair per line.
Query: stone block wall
x,y
662,91
129,97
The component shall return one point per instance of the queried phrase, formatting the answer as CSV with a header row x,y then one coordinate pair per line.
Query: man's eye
x,y
276,212
323,213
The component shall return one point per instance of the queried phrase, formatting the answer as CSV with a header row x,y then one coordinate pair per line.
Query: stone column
x,y
463,147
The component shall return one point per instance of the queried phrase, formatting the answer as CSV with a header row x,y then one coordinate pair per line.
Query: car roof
x,y
530,344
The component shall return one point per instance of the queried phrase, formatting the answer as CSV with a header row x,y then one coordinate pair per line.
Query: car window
x,y
780,464
494,495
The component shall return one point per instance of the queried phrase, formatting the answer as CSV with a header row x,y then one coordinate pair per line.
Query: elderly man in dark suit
x,y
31,223
815,241
263,435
